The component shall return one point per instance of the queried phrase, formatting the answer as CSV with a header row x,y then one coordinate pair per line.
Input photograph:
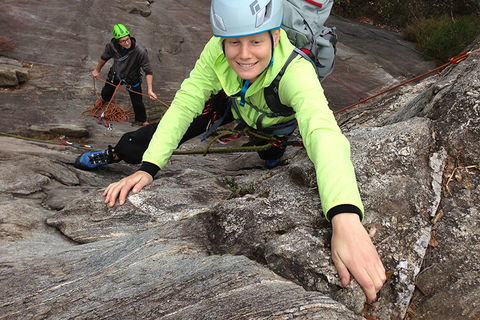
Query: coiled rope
x,y
111,111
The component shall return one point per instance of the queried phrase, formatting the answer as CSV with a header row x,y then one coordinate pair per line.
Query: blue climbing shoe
x,y
94,159
270,164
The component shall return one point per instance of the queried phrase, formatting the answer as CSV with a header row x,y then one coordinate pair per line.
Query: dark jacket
x,y
127,64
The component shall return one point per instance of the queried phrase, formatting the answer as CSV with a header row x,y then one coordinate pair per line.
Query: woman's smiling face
x,y
250,55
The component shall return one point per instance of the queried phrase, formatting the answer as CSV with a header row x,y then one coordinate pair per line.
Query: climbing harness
x,y
247,131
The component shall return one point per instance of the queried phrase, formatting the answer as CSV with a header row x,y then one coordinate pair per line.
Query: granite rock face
x,y
218,236
444,287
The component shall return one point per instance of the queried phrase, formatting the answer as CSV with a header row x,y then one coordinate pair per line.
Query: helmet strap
x,y
273,48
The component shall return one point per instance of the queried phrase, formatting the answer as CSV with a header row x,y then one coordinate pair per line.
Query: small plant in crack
x,y
231,183
249,189
237,190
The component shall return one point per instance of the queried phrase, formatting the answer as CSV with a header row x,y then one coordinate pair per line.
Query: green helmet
x,y
120,31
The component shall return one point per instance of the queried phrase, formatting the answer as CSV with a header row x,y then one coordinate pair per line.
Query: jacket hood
x,y
114,43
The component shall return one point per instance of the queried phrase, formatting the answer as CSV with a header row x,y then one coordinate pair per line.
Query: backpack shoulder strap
x,y
271,92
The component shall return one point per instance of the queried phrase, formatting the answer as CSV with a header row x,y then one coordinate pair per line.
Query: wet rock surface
x,y
219,237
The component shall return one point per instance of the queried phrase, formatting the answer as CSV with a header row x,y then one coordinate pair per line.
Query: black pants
x,y
132,145
137,99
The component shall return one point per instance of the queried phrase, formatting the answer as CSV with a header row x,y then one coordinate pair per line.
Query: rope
x,y
59,142
140,93
247,132
111,111
224,150
146,95
454,60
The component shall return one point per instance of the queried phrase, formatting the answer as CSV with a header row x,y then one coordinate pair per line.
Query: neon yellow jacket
x,y
299,88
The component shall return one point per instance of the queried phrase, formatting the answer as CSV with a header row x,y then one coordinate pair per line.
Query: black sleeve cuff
x,y
343,208
149,168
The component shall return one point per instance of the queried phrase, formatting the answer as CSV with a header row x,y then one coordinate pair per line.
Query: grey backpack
x,y
304,23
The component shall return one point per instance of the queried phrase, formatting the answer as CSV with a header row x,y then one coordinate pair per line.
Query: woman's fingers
x,y
120,190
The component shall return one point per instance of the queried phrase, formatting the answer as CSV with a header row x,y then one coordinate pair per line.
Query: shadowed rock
x,y
12,72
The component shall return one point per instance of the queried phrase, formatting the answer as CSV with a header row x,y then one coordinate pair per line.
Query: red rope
x,y
454,60
112,111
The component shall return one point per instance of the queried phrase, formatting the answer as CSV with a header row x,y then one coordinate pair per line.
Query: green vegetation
x,y
443,37
237,190
441,28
